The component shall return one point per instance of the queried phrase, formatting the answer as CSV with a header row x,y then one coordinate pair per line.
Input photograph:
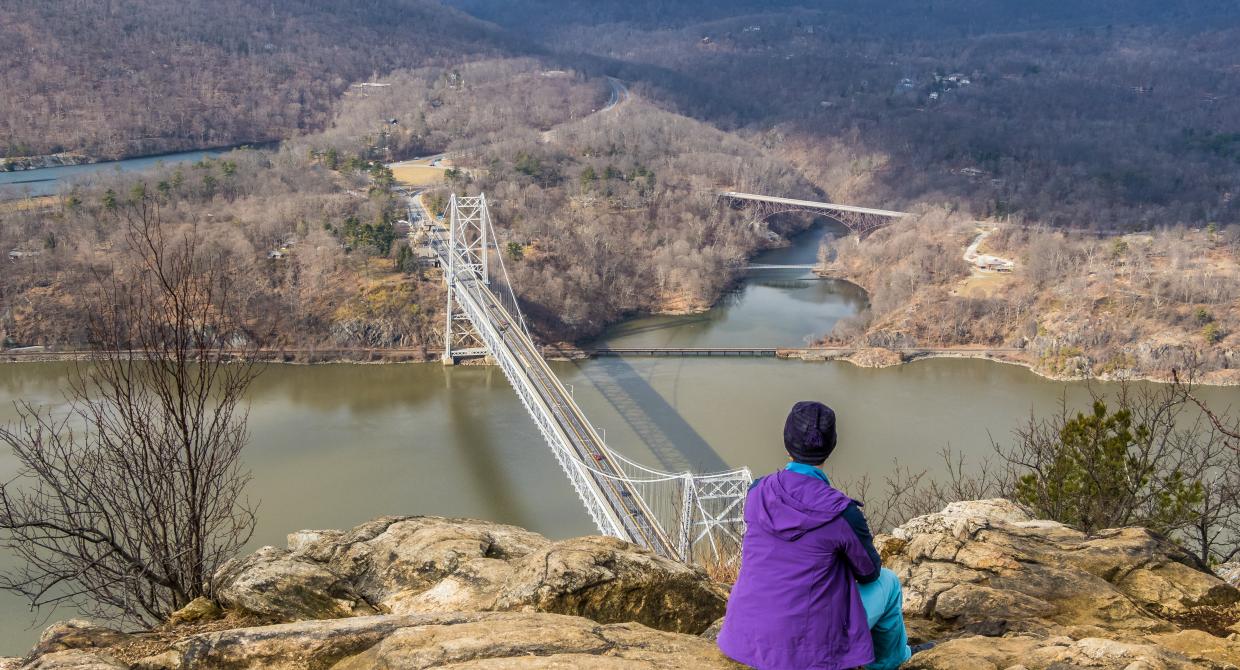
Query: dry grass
x,y
722,571
29,204
419,175
160,639
984,284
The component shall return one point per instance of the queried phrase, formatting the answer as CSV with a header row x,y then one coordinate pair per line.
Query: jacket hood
x,y
788,505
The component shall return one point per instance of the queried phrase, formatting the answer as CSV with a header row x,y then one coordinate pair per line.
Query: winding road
x,y
619,95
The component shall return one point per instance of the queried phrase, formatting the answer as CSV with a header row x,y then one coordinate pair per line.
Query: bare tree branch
x,y
129,498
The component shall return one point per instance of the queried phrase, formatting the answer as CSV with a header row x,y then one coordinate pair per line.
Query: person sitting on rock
x,y
812,592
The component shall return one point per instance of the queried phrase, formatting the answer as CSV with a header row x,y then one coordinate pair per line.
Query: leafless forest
x,y
1079,305
1117,119
1118,115
306,243
135,77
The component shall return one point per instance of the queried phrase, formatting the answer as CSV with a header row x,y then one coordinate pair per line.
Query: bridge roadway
x,y
810,204
630,515
791,352
684,351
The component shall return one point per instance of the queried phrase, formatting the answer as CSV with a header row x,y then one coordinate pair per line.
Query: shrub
x,y
1098,470
1212,333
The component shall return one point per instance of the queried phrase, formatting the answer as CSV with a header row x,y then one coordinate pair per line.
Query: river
x,y
335,445
47,181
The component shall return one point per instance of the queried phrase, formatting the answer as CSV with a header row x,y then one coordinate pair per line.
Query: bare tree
x,y
1231,432
128,500
909,493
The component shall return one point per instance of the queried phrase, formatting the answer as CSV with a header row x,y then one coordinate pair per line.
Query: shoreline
x,y
1221,378
305,356
44,162
965,352
873,358
74,159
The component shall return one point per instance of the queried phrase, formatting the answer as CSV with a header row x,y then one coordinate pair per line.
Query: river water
x,y
47,181
335,445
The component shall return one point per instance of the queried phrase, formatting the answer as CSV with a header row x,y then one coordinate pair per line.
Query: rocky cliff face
x,y
1009,592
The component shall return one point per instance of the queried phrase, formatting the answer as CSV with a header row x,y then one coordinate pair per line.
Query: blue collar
x,y
808,471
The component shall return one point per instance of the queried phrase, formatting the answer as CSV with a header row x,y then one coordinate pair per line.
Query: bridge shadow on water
x,y
655,324
475,441
674,443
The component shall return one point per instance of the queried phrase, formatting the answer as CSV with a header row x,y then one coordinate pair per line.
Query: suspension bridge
x,y
682,515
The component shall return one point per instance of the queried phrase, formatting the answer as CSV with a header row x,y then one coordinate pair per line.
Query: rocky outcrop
x,y
1230,572
462,640
75,659
412,565
72,645
471,640
1057,598
39,162
1004,591
420,592
1193,650
275,583
875,358
76,634
199,610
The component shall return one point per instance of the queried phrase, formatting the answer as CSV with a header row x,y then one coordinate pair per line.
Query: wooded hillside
x,y
1108,115
122,78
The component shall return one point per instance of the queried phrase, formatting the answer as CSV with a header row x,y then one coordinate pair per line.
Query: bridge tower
x,y
468,238
678,515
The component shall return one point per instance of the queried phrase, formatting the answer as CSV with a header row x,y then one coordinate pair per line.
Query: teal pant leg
x,y
883,603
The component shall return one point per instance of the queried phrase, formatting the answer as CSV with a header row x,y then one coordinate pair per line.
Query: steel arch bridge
x,y
860,220
678,515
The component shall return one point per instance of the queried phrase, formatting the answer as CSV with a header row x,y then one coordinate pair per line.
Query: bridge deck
x,y
794,352
527,368
684,351
810,204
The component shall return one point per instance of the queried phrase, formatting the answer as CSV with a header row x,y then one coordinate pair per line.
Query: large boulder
x,y
607,580
279,584
459,640
75,659
1064,599
1229,572
1027,652
75,634
412,565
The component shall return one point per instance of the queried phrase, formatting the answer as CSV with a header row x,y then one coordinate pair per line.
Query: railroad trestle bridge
x,y
682,515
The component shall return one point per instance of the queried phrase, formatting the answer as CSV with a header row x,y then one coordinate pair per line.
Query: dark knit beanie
x,y
809,432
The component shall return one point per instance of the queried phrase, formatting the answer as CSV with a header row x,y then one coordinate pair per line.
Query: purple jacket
x,y
795,605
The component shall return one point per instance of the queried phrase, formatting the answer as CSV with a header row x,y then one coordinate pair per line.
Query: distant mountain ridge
x,y
927,18
133,77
